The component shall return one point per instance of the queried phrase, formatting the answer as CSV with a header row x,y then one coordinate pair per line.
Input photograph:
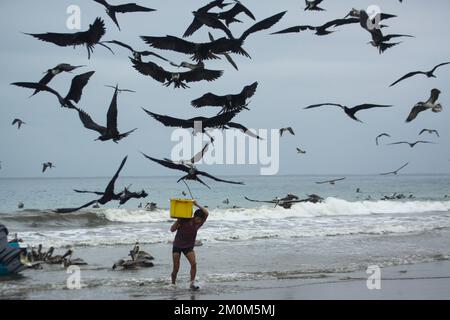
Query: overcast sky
x,y
293,71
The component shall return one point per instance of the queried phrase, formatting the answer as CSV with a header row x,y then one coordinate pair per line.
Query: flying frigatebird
x,y
74,94
111,10
88,38
429,74
106,197
350,111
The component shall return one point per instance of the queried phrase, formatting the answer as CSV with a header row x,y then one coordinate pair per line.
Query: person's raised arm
x,y
203,209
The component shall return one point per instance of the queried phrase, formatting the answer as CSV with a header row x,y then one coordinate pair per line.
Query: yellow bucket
x,y
181,208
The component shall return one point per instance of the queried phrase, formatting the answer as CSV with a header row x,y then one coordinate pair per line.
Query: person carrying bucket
x,y
184,242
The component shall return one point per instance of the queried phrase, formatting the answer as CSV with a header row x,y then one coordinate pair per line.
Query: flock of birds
x,y
229,105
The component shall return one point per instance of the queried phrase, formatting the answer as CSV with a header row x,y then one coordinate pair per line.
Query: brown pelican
x,y
47,165
123,8
137,254
411,144
313,5
106,197
430,132
51,73
396,171
18,122
289,129
380,136
178,79
110,132
331,182
351,111
74,94
429,74
422,106
89,38
50,259
228,102
137,55
133,264
191,171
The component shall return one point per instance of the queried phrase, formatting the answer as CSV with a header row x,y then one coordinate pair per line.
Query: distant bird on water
x,y
350,111
228,102
51,73
75,92
47,165
110,132
18,122
411,144
178,79
88,38
422,106
289,129
123,8
313,5
430,132
107,196
429,74
331,182
395,172
380,136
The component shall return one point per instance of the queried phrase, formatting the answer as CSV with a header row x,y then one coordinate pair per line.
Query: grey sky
x,y
293,71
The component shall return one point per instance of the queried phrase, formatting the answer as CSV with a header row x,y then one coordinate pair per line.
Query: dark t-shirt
x,y
186,233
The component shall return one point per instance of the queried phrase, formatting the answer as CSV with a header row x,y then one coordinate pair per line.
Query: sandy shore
x,y
411,282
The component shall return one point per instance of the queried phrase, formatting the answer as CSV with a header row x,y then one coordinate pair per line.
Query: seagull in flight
x,y
429,74
412,145
394,172
289,129
18,122
380,136
422,106
350,111
331,182
430,132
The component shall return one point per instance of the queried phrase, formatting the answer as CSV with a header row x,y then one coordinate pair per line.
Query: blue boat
x,y
9,254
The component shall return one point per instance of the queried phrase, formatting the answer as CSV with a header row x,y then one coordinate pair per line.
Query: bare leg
x,y
176,266
191,258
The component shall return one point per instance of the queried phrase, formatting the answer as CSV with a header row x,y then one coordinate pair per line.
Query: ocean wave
x,y
330,207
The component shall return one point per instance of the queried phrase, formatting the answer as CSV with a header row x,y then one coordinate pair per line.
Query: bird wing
x,y
47,78
151,69
418,108
36,86
405,165
194,26
209,99
59,39
243,129
102,2
398,143
324,104
200,74
78,83
199,156
69,210
439,65
92,192
119,43
168,164
406,76
131,7
391,36
250,90
170,121
170,43
295,29
89,123
340,22
236,9
368,106
260,201
212,4
291,131
111,116
110,187
219,120
15,121
203,173
263,25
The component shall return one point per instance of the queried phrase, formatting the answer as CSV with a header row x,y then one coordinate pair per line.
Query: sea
x,y
241,243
